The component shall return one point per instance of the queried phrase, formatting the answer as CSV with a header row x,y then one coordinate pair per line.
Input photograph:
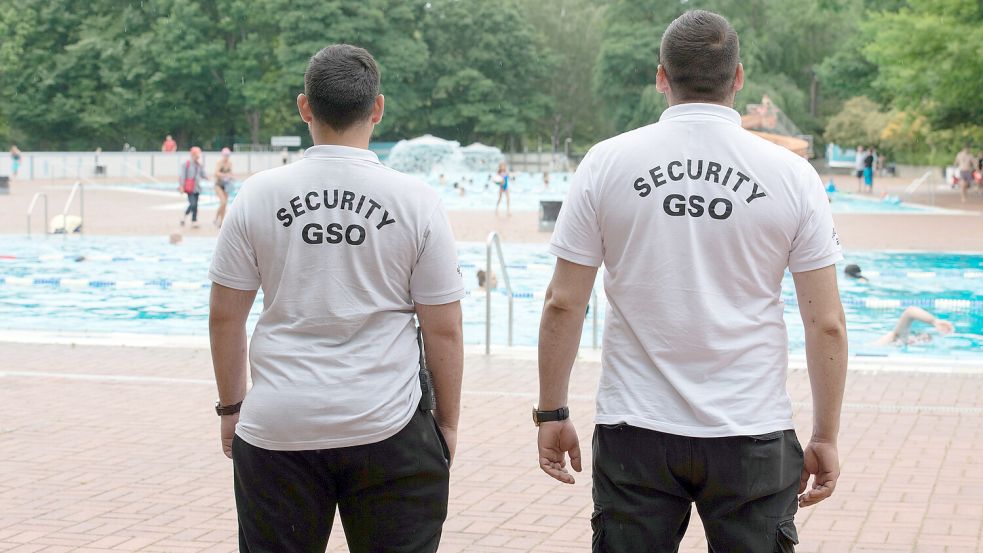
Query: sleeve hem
x,y
440,299
575,257
234,283
820,263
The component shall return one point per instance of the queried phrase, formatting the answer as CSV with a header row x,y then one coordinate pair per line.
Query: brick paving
x,y
109,448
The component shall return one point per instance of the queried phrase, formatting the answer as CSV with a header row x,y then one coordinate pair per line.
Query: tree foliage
x,y
77,75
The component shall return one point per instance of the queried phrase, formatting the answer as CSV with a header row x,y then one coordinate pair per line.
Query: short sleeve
x,y
816,244
577,235
234,260
436,278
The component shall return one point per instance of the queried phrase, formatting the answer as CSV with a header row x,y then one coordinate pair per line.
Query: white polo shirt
x,y
695,220
342,247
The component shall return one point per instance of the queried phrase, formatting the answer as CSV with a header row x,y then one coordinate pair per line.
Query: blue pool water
x,y
145,285
528,189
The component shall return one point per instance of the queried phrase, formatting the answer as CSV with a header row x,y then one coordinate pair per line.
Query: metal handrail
x,y
910,190
77,187
494,239
30,209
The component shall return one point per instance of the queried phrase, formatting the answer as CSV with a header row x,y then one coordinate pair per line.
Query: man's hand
x,y
450,438
228,432
823,464
557,438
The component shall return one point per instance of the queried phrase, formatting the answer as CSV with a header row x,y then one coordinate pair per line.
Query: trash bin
x,y
549,210
100,170
4,185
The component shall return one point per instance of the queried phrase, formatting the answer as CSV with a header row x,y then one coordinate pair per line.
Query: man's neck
x,y
355,137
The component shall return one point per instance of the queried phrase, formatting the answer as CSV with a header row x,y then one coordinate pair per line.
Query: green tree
x,y
487,71
571,31
860,123
930,59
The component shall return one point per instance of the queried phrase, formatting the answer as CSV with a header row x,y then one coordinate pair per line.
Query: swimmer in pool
x,y
901,335
853,271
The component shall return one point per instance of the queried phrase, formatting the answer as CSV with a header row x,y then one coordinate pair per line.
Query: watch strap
x,y
222,410
561,414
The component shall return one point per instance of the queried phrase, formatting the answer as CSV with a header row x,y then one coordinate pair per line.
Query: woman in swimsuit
x,y
502,180
223,180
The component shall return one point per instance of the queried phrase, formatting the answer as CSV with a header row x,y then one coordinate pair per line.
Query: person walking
x,y
340,414
695,221
965,164
870,161
189,184
858,166
223,184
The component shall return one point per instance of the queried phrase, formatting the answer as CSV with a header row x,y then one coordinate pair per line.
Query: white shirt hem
x,y
440,299
820,263
330,443
229,282
723,431
574,257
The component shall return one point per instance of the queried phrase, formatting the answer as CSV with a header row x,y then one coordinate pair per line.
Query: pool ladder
x,y
30,209
495,240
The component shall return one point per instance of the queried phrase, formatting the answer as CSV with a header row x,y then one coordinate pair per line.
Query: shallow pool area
x,y
144,285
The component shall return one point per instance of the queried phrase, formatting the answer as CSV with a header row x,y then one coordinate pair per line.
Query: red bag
x,y
189,182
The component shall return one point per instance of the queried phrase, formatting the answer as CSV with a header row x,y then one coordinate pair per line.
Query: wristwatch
x,y
561,414
227,409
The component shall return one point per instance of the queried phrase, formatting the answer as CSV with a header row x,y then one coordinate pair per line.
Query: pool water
x,y
145,285
528,189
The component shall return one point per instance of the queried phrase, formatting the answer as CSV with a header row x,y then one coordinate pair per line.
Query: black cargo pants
x,y
745,489
392,494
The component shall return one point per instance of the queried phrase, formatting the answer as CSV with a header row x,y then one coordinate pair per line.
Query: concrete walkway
x,y
109,448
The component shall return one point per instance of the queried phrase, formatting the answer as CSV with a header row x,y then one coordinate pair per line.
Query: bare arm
x,y
227,314
826,356
559,340
443,341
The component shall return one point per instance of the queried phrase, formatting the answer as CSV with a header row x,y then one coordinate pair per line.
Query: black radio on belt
x,y
428,402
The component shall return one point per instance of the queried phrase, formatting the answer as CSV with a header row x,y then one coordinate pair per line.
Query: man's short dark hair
x,y
341,84
699,53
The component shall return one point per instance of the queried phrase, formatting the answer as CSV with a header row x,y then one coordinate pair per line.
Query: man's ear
x,y
304,107
739,78
378,108
661,80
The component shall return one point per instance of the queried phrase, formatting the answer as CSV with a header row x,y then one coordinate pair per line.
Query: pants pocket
x,y
446,451
597,526
787,537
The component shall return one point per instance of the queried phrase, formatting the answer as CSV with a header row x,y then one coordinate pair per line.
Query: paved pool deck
x,y
115,448
112,447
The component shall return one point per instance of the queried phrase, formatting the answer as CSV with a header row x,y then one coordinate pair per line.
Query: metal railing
x,y
494,239
917,183
79,189
30,209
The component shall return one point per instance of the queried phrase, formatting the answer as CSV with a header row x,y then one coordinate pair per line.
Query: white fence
x,y
140,166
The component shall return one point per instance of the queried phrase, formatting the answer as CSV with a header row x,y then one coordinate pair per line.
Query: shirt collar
x,y
326,151
702,111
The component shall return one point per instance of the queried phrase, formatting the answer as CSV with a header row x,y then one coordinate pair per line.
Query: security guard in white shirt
x,y
346,251
695,221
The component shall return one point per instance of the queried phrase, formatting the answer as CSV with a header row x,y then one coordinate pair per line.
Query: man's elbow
x,y
831,327
558,302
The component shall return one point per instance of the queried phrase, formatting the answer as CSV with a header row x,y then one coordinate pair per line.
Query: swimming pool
x,y
528,189
145,285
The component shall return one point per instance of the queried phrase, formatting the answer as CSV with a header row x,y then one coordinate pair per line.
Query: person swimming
x,y
853,271
902,336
